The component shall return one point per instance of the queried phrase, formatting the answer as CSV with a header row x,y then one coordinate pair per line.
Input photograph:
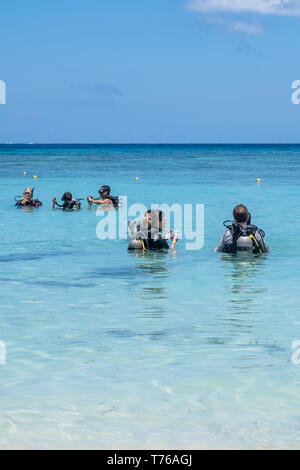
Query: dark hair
x,y
67,197
104,189
158,213
156,219
241,213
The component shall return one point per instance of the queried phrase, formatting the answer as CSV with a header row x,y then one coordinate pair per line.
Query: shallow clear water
x,y
106,349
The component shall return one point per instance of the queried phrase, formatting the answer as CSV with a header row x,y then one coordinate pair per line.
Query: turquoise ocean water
x,y
105,349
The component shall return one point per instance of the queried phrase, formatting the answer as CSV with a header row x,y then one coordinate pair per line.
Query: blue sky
x,y
150,71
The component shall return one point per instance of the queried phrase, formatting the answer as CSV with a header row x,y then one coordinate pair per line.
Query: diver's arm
x,y
169,235
55,203
221,245
20,203
96,201
25,201
91,201
225,240
175,239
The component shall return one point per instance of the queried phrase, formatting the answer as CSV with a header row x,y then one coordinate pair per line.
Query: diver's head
x,y
28,193
147,219
241,214
104,191
156,220
67,197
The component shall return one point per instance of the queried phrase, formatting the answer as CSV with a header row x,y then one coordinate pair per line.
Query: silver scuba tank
x,y
244,243
135,245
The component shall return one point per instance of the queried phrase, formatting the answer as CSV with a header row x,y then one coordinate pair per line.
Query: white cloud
x,y
265,7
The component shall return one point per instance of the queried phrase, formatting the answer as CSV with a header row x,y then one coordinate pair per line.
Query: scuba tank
x,y
77,204
73,205
135,232
244,243
244,238
135,245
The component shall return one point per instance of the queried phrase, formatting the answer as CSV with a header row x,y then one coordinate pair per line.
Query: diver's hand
x,y
89,199
176,237
169,235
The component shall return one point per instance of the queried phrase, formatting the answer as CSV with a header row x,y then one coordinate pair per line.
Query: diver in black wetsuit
x,y
148,236
27,199
69,203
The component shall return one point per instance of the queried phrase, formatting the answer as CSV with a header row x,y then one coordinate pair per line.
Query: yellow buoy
x,y
258,180
137,178
35,177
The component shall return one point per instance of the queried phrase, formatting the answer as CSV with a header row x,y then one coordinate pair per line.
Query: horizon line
x,y
148,143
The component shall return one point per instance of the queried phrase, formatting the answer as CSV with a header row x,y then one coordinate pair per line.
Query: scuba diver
x,y
148,234
241,235
27,199
69,203
104,192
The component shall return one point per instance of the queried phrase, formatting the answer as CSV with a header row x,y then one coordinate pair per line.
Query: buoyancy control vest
x,y
244,238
